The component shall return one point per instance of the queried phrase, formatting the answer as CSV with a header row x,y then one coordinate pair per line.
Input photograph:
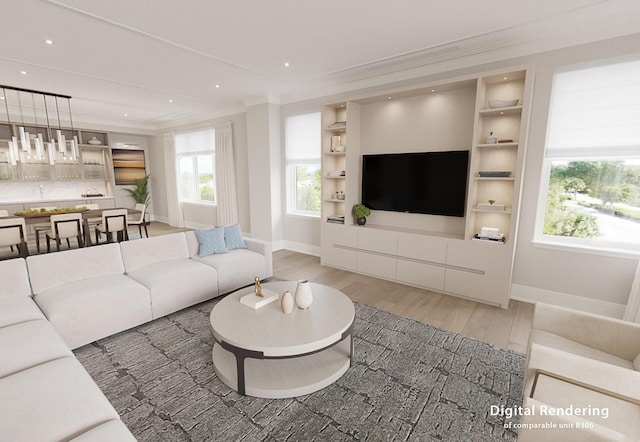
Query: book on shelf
x,y
338,219
493,238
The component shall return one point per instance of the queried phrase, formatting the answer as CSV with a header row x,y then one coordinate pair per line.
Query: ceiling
x,y
160,62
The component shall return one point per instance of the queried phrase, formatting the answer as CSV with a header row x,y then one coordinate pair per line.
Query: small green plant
x,y
140,193
360,210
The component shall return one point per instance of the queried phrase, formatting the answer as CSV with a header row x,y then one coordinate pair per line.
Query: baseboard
x,y
532,294
299,247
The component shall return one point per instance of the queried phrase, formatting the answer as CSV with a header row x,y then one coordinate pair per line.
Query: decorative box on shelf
x,y
494,174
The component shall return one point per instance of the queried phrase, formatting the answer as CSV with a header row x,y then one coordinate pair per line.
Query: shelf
x,y
491,178
329,200
501,212
496,145
337,128
511,110
337,154
336,177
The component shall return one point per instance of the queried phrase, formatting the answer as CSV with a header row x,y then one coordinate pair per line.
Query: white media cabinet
x,y
432,252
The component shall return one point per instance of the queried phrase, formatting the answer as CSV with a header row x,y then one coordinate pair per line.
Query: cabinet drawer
x,y
422,247
375,240
490,258
339,234
421,274
377,265
339,257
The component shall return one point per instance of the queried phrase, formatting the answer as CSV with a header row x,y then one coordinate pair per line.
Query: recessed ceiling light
x,y
217,86
433,90
49,42
388,98
2,98
170,100
126,115
286,64
505,78
23,72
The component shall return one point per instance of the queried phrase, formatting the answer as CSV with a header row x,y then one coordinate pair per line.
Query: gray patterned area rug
x,y
409,381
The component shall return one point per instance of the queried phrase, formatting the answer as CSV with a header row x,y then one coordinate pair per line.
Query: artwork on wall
x,y
128,165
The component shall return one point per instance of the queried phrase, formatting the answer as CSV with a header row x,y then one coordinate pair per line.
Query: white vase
x,y
304,298
286,302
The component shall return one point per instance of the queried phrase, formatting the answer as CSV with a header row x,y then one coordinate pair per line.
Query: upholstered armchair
x,y
578,360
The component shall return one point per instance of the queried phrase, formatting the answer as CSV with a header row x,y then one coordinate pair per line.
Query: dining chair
x,y
39,228
65,226
113,221
140,222
91,222
13,233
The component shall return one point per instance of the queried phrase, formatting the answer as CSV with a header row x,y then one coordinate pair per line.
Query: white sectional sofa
x,y
53,303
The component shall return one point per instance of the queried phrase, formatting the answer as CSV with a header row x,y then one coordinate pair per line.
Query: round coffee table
x,y
266,353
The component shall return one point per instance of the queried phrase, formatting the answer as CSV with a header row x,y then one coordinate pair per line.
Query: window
x,y
195,157
592,159
303,173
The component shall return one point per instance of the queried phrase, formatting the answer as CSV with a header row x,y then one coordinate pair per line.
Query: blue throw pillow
x,y
233,237
211,241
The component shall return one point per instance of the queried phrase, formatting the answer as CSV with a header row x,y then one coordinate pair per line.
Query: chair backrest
x,y
66,225
88,206
12,231
142,208
114,220
4,213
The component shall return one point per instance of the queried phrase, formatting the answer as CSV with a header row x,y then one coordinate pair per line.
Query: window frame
x,y
588,154
291,165
193,156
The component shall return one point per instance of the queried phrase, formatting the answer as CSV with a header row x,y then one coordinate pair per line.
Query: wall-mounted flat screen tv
x,y
433,183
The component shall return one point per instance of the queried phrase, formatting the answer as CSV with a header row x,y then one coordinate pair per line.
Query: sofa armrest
x,y
536,427
613,380
263,248
614,336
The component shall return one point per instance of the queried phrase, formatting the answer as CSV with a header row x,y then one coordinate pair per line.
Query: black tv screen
x,y
433,183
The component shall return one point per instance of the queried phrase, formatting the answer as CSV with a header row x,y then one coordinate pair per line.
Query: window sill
x,y
612,250
303,216
198,203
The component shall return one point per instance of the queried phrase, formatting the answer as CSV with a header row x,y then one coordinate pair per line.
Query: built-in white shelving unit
x,y
427,252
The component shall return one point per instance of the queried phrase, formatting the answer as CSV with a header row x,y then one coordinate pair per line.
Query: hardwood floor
x,y
506,328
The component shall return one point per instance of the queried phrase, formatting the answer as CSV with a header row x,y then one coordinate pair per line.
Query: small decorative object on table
x,y
286,302
304,298
258,288
94,141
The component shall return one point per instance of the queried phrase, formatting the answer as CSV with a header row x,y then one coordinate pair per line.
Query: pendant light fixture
x,y
53,136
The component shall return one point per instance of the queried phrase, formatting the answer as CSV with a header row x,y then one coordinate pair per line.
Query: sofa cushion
x,y
15,279
177,284
236,268
53,401
211,241
18,309
558,342
110,431
28,344
90,309
142,252
56,269
233,237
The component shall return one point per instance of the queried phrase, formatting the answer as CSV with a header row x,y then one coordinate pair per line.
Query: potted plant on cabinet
x,y
360,212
